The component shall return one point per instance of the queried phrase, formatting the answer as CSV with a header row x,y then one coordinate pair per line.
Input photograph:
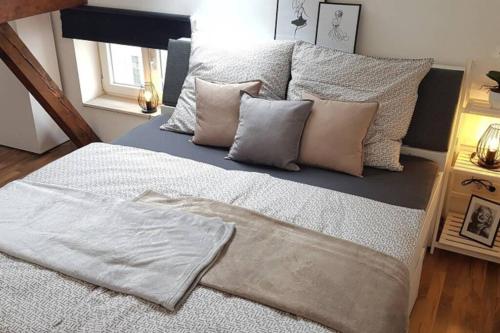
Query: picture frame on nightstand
x,y
481,221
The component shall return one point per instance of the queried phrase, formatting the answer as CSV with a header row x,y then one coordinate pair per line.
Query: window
x,y
163,63
126,68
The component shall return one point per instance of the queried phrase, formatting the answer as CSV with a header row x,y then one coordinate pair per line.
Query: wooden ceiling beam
x,y
30,72
15,9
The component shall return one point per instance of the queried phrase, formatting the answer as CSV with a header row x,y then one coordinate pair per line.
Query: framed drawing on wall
x,y
296,20
337,26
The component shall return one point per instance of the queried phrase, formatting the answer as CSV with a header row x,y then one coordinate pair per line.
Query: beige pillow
x,y
334,134
218,111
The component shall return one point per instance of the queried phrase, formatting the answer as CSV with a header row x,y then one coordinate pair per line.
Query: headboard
x,y
179,52
432,120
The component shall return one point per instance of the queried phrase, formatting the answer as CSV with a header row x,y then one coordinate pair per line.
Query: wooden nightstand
x,y
457,200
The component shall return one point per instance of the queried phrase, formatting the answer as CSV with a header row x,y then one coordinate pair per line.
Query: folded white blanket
x,y
156,254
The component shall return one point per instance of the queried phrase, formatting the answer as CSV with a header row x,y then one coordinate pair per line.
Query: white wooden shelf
x,y
458,197
463,164
475,99
457,193
482,108
451,240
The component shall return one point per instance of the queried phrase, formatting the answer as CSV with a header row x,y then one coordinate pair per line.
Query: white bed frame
x,y
435,205
432,216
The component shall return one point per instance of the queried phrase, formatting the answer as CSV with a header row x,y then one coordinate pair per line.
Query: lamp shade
x,y
488,147
148,98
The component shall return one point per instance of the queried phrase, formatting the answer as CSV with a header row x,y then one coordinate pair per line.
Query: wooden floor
x,y
457,293
16,164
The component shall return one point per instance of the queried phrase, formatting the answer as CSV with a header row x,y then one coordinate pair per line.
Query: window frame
x,y
151,62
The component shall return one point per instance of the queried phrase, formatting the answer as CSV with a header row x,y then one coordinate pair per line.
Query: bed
x,y
400,215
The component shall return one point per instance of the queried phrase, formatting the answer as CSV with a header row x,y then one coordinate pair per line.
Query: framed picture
x,y
481,221
337,26
296,20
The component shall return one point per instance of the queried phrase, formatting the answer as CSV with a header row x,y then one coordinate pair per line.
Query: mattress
x,y
37,299
410,188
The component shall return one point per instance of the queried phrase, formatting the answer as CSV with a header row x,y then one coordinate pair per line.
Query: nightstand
x,y
457,200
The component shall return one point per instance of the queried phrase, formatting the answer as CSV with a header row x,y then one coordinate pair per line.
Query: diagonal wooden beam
x,y
15,9
28,70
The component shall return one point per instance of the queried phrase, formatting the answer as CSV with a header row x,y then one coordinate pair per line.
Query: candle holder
x,y
488,147
148,98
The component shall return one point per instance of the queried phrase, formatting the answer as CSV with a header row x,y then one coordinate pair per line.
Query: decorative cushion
x,y
269,132
334,133
218,111
393,83
229,62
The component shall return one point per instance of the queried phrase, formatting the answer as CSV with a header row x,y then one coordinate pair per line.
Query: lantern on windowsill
x,y
488,147
148,98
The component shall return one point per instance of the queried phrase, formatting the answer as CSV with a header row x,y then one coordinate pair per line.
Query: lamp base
x,y
491,166
149,111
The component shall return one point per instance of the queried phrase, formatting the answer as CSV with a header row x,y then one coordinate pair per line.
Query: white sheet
x,y
158,254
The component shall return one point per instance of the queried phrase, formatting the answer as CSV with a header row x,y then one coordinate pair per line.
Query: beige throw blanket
x,y
339,284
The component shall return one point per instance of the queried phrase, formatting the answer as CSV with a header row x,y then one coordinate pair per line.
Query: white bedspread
x,y
34,299
129,247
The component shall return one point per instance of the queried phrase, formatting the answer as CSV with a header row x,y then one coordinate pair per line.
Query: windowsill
x,y
120,105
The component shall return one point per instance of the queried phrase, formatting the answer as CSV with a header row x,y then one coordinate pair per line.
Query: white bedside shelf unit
x,y
451,240
457,200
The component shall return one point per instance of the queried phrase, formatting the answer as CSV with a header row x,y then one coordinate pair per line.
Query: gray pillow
x,y
230,62
393,83
269,132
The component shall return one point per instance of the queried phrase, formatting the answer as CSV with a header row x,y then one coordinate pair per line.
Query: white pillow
x,y
230,61
393,83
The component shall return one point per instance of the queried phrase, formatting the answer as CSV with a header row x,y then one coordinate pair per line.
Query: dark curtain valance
x,y
121,26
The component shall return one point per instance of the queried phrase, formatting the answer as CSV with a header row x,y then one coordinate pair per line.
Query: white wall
x,y
16,119
36,32
24,124
450,31
108,125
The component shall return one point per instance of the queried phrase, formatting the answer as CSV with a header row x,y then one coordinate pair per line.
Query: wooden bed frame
x,y
30,72
432,216
435,206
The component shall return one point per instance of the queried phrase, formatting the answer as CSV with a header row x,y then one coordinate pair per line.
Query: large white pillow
x,y
393,83
230,61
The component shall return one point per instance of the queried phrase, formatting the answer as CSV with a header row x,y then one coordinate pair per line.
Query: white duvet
x,y
38,300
